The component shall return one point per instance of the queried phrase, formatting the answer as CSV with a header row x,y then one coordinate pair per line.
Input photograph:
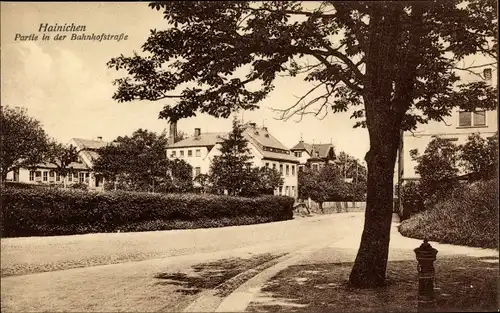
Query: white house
x,y
45,173
200,149
455,128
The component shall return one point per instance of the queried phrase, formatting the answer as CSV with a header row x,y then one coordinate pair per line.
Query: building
x,y
455,128
314,155
200,149
82,170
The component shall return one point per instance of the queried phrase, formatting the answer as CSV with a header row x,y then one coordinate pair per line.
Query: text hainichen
x,y
46,27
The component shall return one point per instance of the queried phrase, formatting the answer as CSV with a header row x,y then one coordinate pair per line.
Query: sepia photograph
x,y
249,156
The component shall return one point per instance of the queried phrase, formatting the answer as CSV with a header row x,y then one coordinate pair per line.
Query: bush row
x,y
468,217
42,212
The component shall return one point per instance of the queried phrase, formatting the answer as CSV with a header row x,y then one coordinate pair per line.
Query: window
x,y
315,166
293,170
293,191
173,154
281,168
198,152
301,168
281,190
181,153
190,153
287,170
45,176
51,174
32,175
274,166
81,177
287,191
58,177
471,119
298,154
197,171
70,177
480,118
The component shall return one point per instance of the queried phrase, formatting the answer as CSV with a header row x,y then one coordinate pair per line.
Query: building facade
x,y
81,171
455,128
200,149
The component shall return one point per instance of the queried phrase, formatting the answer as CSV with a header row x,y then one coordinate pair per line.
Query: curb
x,y
240,298
209,301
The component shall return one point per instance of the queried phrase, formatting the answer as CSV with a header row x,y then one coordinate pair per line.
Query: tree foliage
x,y
479,154
392,63
24,141
322,185
229,170
437,167
62,157
139,162
261,181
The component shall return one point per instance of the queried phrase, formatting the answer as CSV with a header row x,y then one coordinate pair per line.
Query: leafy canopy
x,y
228,170
140,162
400,55
23,139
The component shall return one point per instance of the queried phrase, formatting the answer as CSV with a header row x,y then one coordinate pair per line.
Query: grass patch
x,y
469,218
462,284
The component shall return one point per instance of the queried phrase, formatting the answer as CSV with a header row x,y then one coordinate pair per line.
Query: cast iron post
x,y
426,255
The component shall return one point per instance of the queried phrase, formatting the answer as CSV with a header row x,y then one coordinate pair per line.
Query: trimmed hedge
x,y
47,212
467,217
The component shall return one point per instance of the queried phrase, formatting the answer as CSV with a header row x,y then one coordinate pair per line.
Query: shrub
x,y
81,186
36,212
468,217
412,199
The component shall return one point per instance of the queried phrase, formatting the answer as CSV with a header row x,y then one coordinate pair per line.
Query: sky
x,y
67,86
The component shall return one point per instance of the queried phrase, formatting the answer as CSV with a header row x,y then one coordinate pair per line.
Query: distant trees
x,y
442,162
232,170
437,167
24,141
261,181
478,154
322,185
62,156
139,163
229,169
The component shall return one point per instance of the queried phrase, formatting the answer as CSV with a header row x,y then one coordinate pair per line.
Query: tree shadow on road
x,y
211,275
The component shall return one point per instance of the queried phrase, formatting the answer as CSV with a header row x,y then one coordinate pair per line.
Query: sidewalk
x,y
466,279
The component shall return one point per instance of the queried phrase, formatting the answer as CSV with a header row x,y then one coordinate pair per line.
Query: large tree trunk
x,y
371,261
385,107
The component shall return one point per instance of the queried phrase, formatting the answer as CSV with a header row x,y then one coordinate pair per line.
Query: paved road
x,y
116,272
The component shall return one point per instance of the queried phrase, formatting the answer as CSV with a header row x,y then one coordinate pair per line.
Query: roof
x,y
264,141
258,136
90,144
74,165
321,148
302,146
89,148
203,140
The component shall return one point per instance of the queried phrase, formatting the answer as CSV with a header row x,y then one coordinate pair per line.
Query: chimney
x,y
99,138
172,136
264,128
197,132
253,124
